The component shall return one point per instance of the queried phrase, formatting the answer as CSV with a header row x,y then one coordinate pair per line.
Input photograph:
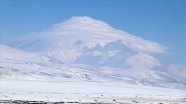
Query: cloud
x,y
177,67
99,30
88,41
97,53
116,54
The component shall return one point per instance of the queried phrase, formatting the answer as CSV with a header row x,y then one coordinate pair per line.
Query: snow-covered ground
x,y
87,92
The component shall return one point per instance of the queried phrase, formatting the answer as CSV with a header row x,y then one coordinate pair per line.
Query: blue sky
x,y
162,21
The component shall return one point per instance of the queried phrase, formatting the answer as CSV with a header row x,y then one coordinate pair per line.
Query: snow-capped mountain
x,y
83,40
84,49
17,64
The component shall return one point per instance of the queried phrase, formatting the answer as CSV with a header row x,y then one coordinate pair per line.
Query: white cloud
x,y
99,32
96,53
60,41
112,53
177,67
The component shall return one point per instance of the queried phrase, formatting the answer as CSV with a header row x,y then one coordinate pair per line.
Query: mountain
x,y
84,49
17,64
83,40
20,65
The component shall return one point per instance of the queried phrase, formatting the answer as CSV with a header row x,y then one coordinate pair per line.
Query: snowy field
x,y
88,92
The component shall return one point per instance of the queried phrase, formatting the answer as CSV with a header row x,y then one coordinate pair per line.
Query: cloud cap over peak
x,y
83,22
83,38
87,28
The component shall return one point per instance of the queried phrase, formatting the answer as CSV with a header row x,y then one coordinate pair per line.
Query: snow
x,y
140,60
17,64
84,91
11,54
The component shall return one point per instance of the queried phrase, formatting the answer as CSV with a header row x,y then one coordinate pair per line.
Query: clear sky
x,y
162,21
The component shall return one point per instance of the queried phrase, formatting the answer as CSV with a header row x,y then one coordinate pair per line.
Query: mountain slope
x,y
16,55
17,64
9,73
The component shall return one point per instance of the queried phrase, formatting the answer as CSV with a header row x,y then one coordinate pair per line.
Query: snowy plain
x,y
87,92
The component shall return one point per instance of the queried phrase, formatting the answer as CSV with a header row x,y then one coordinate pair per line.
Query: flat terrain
x,y
36,92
